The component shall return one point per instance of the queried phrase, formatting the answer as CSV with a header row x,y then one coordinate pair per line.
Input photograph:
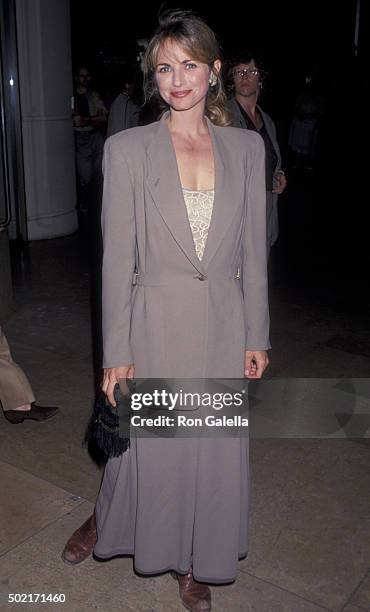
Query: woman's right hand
x,y
112,376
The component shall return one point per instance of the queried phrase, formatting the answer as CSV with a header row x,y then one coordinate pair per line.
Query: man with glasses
x,y
246,81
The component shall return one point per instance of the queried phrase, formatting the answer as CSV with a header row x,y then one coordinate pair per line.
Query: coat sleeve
x,y
119,242
271,131
254,257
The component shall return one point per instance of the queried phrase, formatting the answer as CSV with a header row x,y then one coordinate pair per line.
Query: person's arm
x,y
280,180
254,268
100,116
119,241
97,120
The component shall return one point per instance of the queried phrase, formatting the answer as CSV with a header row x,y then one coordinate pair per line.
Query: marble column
x,y
46,89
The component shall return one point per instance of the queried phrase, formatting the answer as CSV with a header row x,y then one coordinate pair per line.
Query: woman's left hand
x,y
280,184
256,363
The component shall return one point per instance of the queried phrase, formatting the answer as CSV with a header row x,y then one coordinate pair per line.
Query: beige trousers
x,y
15,390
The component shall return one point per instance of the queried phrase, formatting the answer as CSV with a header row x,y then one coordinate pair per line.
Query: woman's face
x,y
246,79
182,81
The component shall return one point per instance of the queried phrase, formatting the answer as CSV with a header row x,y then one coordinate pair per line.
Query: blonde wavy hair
x,y
196,38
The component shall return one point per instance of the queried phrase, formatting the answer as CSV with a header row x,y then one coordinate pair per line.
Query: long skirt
x,y
177,503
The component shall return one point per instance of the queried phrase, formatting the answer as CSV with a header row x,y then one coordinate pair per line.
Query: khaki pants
x,y
15,390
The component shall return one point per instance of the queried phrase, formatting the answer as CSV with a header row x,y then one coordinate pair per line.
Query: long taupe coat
x,y
175,503
173,323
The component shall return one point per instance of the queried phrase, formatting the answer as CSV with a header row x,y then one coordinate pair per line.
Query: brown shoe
x,y
81,543
195,596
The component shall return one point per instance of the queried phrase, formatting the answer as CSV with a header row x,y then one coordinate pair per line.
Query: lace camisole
x,y
199,206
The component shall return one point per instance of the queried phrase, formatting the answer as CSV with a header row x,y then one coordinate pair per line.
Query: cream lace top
x,y
199,205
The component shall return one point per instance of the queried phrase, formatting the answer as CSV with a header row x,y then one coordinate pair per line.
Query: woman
x,y
246,76
181,504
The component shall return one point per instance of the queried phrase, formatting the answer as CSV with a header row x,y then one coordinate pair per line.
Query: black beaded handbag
x,y
109,427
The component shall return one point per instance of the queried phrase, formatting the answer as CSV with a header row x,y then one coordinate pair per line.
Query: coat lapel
x,y
165,187
224,204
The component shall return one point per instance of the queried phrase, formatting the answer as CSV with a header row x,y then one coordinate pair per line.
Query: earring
x,y
212,79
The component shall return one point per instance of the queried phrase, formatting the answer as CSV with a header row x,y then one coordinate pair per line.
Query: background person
x,y
124,112
304,130
89,121
246,78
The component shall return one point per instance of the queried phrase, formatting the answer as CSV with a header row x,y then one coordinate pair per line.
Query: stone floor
x,y
310,516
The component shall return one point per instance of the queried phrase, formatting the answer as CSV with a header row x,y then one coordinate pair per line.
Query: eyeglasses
x,y
244,73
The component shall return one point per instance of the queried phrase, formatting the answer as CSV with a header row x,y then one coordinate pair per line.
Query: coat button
x,y
201,277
